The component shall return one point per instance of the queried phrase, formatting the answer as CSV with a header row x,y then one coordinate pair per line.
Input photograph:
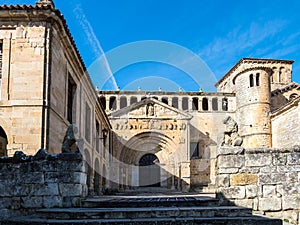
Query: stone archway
x,y
152,150
149,171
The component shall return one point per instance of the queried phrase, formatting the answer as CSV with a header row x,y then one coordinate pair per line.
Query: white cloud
x,y
256,40
94,43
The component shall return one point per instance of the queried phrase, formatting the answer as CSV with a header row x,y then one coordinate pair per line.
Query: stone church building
x,y
179,132
133,138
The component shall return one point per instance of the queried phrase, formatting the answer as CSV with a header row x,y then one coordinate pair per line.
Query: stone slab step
x,y
135,202
150,212
251,220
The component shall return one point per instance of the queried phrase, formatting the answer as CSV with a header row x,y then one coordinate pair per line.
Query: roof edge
x,y
243,60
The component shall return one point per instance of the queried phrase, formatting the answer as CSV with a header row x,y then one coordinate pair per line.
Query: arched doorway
x,y
149,171
3,143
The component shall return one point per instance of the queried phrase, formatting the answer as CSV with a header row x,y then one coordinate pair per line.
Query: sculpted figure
x,y
70,143
231,136
150,110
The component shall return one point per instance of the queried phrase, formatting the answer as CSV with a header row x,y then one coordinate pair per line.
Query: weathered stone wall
x,y
42,181
285,125
22,84
266,180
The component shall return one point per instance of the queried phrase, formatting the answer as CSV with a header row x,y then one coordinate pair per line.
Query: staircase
x,y
146,209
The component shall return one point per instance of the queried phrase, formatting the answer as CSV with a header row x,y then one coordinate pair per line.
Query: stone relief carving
x,y
150,110
150,124
70,142
231,136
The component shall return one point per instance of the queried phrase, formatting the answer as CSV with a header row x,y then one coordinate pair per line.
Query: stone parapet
x,y
266,180
41,181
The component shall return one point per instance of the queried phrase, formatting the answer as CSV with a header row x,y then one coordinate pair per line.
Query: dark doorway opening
x,y
3,143
149,171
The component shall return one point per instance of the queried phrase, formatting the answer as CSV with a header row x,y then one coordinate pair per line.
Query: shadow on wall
x,y
201,163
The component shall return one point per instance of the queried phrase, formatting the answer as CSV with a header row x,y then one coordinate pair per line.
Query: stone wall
x,y
285,125
41,181
266,180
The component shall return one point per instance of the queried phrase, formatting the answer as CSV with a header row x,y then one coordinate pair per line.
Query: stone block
x,y
269,204
79,178
269,191
291,202
251,191
5,190
279,159
237,192
16,202
230,150
32,202
222,180
271,178
231,161
252,160
291,189
58,177
70,189
35,178
293,159
46,189
228,170
247,203
243,179
253,170
268,169
52,201
5,202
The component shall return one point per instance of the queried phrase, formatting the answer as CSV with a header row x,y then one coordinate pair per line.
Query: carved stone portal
x,y
231,136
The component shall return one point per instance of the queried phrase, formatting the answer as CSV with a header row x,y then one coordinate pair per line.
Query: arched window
x,y
280,74
204,104
225,104
133,100
112,103
251,80
185,103
257,79
215,104
144,97
123,102
103,102
155,97
195,105
165,100
175,102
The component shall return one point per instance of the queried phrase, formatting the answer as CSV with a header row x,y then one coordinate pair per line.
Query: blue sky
x,y
219,32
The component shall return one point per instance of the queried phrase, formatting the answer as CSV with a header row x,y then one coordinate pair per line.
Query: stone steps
x,y
135,202
249,220
146,212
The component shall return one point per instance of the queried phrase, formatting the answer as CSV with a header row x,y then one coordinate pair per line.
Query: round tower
x,y
253,106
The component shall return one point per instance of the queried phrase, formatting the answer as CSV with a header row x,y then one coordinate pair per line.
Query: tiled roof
x,y
286,88
57,13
